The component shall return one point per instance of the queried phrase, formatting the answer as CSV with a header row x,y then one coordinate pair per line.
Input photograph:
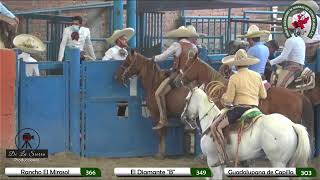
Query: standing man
x,y
77,36
257,48
311,44
273,46
8,27
29,44
120,38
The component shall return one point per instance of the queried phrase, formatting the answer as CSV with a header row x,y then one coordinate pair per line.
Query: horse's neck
x,y
151,76
208,74
208,111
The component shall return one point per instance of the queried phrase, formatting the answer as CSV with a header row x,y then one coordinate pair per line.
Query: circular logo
x,y
301,11
27,138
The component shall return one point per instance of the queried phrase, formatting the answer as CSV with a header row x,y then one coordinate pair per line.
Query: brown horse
x,y
151,76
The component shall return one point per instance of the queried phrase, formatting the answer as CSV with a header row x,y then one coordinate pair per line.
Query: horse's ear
x,y
133,51
202,86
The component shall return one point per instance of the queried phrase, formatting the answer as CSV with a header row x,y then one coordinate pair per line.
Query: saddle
x,y
247,120
304,81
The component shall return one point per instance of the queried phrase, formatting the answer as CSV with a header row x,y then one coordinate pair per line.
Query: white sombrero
x,y
29,43
241,58
253,32
193,30
181,32
128,32
312,4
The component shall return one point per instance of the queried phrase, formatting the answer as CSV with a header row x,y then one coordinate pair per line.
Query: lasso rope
x,y
214,90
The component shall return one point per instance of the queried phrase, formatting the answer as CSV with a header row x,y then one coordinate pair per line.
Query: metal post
x,y
73,55
132,20
229,25
117,14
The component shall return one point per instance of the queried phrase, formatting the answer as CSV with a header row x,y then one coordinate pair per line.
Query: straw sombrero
x,y
241,58
193,30
253,32
181,32
312,4
128,32
29,43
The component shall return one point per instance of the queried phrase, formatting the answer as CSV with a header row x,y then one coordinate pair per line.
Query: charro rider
x,y
181,51
292,58
257,48
120,38
29,44
245,88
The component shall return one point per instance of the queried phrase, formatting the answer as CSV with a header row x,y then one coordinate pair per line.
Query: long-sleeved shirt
x,y
244,88
174,49
84,39
5,11
260,51
31,69
307,27
114,54
294,50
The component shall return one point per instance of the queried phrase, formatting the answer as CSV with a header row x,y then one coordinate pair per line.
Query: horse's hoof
x,y
159,156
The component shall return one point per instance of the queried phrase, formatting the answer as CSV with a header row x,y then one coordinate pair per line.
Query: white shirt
x,y
84,38
174,49
294,50
307,28
31,69
114,54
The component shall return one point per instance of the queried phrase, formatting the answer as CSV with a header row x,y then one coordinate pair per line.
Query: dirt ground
x,y
107,165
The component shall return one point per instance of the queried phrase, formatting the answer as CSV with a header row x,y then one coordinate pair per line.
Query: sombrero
x,y
253,32
128,32
193,30
312,4
11,21
29,43
183,31
241,58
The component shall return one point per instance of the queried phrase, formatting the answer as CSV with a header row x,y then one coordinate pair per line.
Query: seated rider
x,y
292,58
244,90
180,50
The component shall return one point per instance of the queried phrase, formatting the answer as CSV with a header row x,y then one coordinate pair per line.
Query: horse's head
x,y
190,112
235,45
131,66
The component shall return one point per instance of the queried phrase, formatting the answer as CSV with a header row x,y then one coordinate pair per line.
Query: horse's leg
x,y
162,143
279,165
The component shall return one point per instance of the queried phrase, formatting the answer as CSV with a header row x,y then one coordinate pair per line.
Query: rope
x,y
214,90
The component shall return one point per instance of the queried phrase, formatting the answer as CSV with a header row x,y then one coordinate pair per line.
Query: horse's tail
x,y
303,150
308,119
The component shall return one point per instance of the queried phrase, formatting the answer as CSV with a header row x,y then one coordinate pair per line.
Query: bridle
x,y
127,69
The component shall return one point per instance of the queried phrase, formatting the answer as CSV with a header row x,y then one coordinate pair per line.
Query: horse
x,y
288,146
299,109
151,76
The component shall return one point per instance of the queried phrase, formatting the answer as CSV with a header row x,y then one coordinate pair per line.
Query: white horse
x,y
280,139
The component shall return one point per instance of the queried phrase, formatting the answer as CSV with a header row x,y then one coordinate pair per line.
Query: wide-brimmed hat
x,y
312,4
193,30
241,58
253,32
183,31
29,43
128,32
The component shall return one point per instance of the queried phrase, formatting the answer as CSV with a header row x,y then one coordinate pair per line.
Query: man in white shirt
x,y
181,52
29,44
311,44
120,38
77,36
292,59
